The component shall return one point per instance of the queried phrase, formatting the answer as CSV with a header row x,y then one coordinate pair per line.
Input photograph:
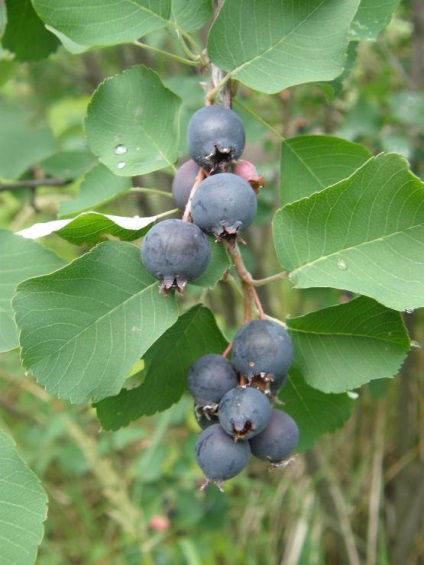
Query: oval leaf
x,y
273,44
23,506
132,123
364,234
90,24
84,326
343,347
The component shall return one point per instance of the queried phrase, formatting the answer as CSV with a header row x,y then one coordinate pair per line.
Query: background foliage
x,y
90,135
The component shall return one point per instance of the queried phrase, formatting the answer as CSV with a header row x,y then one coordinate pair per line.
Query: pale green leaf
x,y
132,123
25,34
99,186
345,346
364,234
310,163
23,507
84,326
68,164
21,143
90,23
218,264
166,365
191,14
371,18
270,45
316,413
91,228
20,260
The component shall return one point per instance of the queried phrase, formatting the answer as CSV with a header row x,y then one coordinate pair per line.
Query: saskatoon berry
x,y
175,252
244,412
219,457
262,347
247,171
215,137
224,205
183,183
278,440
210,377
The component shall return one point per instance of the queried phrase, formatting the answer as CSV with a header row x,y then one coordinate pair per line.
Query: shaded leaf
x,y
371,18
345,346
218,264
20,260
310,163
364,234
191,14
68,164
315,412
270,45
23,506
132,123
84,326
166,365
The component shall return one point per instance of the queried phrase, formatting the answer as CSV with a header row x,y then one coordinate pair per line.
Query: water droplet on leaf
x,y
120,149
121,164
415,344
341,264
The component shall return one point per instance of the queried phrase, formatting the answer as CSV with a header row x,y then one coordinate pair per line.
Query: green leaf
x,y
84,326
166,365
345,346
218,264
310,163
270,45
86,23
20,260
372,17
99,186
21,144
91,228
68,164
25,34
315,412
23,506
364,234
132,123
191,14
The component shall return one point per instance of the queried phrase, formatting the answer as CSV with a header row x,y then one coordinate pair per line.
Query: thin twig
x,y
34,183
187,212
151,191
166,54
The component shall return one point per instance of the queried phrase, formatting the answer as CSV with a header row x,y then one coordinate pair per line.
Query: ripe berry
x,y
224,205
262,347
175,252
244,412
215,137
219,457
210,377
183,183
278,440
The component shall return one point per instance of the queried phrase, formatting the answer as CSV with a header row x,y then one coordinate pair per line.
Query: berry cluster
x,y
218,202
233,402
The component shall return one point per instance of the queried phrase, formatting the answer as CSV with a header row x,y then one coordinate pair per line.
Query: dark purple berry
x,y
278,440
244,412
262,347
183,183
210,377
224,205
215,138
175,252
219,457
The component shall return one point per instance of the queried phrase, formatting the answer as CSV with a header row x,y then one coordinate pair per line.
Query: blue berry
x,y
210,377
183,183
278,440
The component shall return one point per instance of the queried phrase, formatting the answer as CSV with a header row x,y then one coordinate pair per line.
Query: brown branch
x,y
33,183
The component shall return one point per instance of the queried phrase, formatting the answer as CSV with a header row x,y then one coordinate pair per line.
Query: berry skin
x,y
215,138
219,457
175,252
210,377
244,412
278,440
262,347
224,205
183,183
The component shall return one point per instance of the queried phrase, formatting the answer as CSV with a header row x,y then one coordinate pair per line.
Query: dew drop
x,y
415,344
137,148
120,149
352,394
121,164
341,264
409,311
